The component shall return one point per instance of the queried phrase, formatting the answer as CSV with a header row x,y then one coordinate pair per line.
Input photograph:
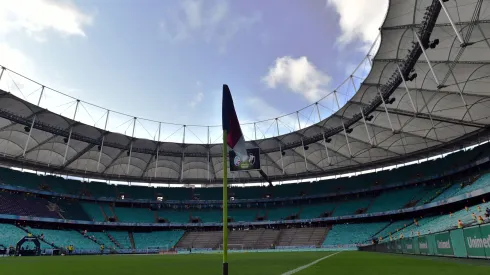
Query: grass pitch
x,y
345,263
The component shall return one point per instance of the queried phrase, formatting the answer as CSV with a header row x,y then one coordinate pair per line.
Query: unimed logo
x,y
423,245
474,242
443,244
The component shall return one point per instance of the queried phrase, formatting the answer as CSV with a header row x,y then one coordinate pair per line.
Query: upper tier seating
x,y
211,215
20,204
242,214
94,211
311,211
126,214
71,210
176,216
351,206
282,212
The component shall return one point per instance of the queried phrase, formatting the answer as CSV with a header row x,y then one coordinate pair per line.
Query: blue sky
x,y
166,60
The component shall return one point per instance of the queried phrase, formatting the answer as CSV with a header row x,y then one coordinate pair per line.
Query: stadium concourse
x,y
426,95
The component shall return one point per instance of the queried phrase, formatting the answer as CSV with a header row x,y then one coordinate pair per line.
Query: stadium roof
x,y
440,102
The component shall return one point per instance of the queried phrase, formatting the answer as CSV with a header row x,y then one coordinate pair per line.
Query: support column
x,y
365,126
103,139
461,94
280,146
40,96
386,109
209,177
323,132
255,130
299,124
343,126
71,131
1,72
460,38
158,149
131,146
406,88
427,59
29,136
304,154
183,157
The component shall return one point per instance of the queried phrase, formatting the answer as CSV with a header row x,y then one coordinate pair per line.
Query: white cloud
x,y
35,17
299,76
214,23
197,99
359,19
15,60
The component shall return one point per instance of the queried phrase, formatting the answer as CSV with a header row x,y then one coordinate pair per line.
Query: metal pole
x,y
103,139
225,205
183,157
158,149
71,131
1,72
304,154
209,176
29,136
324,139
406,88
386,110
280,146
255,130
427,58
297,116
343,126
365,125
460,38
40,96
131,147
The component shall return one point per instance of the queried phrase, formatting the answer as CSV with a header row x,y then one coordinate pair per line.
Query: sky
x,y
166,61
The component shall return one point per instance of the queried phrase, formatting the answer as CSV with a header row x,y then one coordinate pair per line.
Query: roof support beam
x,y
297,154
426,116
433,91
117,157
411,26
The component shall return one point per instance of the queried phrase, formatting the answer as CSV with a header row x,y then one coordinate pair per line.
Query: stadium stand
x,y
10,234
161,239
125,214
122,238
64,238
211,239
302,237
361,233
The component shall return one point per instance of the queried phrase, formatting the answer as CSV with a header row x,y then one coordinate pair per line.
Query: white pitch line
x,y
308,265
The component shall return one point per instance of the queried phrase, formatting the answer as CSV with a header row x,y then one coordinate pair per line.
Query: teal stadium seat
x,y
126,214
160,239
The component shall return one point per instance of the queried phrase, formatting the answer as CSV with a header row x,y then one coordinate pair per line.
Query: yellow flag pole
x,y
225,204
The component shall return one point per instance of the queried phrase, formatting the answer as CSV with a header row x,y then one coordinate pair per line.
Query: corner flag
x,y
234,136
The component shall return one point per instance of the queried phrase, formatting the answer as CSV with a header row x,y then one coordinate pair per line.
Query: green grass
x,y
242,264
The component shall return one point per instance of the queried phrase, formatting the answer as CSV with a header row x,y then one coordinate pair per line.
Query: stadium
x,y
395,180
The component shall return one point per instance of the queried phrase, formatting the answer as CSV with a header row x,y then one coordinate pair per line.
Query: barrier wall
x,y
469,242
